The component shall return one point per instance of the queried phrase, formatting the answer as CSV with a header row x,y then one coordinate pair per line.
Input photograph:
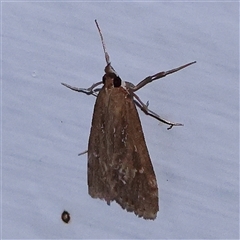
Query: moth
x,y
119,165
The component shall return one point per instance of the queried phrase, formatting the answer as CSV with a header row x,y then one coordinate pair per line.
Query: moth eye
x,y
103,79
117,82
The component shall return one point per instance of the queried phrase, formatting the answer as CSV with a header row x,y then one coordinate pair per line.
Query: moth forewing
x,y
119,166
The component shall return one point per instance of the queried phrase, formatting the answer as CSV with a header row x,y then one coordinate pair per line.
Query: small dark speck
x,y
65,216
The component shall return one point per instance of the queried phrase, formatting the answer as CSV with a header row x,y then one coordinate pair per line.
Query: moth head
x,y
109,69
111,80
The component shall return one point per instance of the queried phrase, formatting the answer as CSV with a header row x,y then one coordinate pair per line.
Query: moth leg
x,y
88,91
147,111
82,153
159,75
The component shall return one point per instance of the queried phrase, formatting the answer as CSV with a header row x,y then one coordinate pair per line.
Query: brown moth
x,y
119,165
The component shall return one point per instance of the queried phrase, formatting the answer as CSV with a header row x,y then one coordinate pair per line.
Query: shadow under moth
x,y
119,165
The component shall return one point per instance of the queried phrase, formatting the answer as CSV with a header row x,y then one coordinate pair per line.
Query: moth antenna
x,y
103,44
